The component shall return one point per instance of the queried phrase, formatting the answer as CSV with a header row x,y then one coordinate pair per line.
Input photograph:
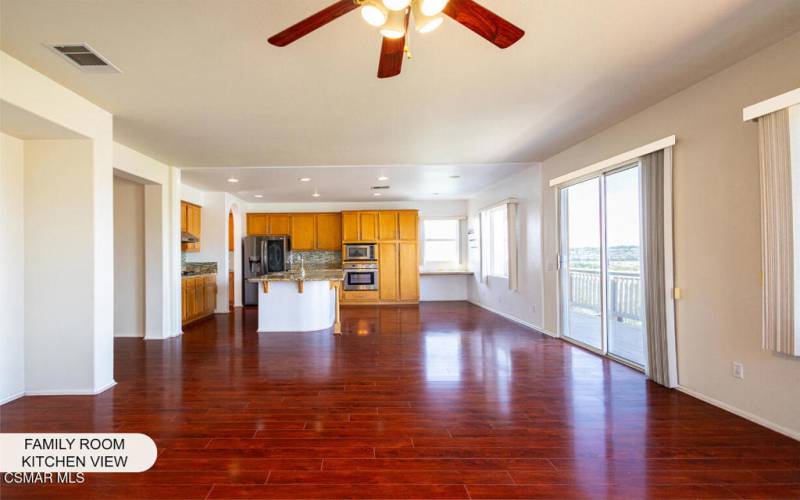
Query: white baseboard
x,y
72,392
11,398
513,318
742,413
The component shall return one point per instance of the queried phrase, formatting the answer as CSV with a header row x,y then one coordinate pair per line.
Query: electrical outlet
x,y
738,370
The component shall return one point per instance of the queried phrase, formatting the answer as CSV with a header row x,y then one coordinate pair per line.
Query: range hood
x,y
188,237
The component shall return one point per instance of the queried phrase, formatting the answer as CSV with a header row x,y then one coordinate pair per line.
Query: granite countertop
x,y
311,275
198,268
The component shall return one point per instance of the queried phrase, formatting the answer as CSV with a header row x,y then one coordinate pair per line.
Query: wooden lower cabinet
x,y
198,297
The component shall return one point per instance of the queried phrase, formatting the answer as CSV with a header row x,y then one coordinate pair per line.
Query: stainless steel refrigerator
x,y
262,255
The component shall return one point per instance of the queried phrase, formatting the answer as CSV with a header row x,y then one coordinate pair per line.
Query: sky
x,y
622,210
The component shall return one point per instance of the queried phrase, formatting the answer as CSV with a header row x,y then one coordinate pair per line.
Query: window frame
x,y
443,265
503,208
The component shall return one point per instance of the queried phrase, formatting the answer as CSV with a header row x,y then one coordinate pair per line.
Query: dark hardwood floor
x,y
444,400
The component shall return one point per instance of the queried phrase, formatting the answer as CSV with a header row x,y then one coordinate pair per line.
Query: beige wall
x,y
12,269
129,267
717,232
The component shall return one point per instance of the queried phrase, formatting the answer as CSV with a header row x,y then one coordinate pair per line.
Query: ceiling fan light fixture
x,y
374,13
395,26
424,23
396,5
432,7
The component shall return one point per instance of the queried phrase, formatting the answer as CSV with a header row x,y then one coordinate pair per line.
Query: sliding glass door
x,y
600,268
580,238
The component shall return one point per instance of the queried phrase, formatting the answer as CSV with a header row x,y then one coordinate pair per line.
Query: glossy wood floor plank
x,y
443,400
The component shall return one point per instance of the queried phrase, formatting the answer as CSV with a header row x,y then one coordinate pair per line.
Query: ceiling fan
x,y
393,17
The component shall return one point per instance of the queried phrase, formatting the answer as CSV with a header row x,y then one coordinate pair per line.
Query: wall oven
x,y
360,276
359,251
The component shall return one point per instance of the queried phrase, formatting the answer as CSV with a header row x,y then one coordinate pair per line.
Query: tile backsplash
x,y
318,259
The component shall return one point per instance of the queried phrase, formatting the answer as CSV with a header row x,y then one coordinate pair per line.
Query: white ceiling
x,y
201,87
352,183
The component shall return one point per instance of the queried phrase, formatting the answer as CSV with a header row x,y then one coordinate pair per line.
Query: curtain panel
x,y
653,269
777,234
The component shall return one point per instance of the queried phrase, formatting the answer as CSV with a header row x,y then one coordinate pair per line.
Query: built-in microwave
x,y
359,251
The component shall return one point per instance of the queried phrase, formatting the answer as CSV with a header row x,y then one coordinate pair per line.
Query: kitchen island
x,y
295,302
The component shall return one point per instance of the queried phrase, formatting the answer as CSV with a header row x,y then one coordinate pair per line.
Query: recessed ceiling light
x,y
233,180
316,194
383,178
258,196
304,179
376,194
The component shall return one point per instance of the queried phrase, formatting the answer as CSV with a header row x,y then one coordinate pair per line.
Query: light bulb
x,y
395,26
315,195
428,24
374,14
424,23
432,7
396,4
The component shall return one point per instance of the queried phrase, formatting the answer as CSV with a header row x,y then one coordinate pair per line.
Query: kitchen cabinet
x,y
396,233
408,223
368,226
408,262
279,224
303,232
387,271
350,226
198,297
308,231
329,231
387,226
191,223
360,226
257,224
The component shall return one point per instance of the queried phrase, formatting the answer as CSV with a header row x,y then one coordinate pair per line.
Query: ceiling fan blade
x,y
484,22
313,22
392,53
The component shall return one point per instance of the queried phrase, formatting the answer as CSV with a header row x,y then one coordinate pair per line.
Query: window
x,y
442,243
497,235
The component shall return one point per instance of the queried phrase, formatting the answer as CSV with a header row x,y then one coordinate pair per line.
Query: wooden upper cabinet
x,y
184,216
350,226
329,231
408,223
257,224
302,232
279,224
387,226
368,226
387,271
409,270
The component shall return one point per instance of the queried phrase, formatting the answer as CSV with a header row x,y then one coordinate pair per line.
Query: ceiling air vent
x,y
84,57
380,187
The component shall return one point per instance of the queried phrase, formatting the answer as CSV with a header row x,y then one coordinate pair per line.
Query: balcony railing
x,y
624,294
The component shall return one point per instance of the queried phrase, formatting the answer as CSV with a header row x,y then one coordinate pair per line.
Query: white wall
x,y
12,269
129,259
426,208
525,303
213,239
445,287
716,232
59,261
91,353
162,238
